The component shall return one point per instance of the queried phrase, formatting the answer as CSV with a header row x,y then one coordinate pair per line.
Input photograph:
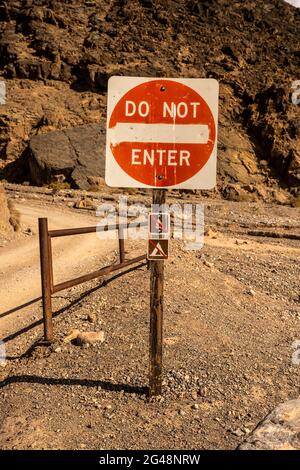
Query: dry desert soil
x,y
231,316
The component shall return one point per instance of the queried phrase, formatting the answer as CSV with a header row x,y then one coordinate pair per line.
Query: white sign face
x,y
161,133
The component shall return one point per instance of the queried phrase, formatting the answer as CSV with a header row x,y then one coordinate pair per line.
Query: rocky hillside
x,y
56,57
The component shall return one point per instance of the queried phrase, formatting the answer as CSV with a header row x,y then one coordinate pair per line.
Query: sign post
x,y
156,312
161,133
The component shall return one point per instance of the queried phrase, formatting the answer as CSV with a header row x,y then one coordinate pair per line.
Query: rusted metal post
x,y
50,263
46,278
96,274
121,243
156,313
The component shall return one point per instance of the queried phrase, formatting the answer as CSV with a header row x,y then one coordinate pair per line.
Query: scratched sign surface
x,y
161,133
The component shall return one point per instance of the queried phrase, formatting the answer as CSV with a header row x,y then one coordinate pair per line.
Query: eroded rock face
x,y
57,56
5,226
279,431
77,153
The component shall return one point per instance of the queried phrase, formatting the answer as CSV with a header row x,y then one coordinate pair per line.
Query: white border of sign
x,y
208,89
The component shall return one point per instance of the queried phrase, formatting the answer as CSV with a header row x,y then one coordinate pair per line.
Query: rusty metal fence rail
x,y
48,286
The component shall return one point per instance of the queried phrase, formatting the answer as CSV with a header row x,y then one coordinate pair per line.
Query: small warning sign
x,y
157,249
159,225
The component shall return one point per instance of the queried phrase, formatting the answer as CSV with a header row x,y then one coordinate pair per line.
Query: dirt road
x,y
19,260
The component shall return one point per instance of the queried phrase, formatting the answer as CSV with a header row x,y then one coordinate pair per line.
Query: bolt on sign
x,y
161,133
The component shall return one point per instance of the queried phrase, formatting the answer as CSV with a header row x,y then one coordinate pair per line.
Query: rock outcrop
x,y
279,431
56,58
76,153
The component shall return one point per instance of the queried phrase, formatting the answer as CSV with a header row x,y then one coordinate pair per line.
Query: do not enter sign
x,y
162,133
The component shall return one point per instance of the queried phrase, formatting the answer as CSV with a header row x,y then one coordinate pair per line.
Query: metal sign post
x,y
156,312
161,133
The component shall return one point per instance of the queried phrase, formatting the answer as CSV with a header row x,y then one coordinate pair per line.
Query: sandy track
x,y
19,261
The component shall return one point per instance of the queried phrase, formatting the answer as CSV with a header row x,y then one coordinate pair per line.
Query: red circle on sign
x,y
165,163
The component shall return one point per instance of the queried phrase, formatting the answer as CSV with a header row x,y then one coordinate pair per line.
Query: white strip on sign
x,y
159,133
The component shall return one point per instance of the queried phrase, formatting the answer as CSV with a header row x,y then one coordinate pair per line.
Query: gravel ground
x,y
232,312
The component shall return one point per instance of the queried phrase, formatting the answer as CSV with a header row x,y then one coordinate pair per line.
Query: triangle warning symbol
x,y
158,251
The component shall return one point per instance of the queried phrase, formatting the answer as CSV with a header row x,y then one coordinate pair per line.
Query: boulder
x,y
83,338
90,337
280,430
77,153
